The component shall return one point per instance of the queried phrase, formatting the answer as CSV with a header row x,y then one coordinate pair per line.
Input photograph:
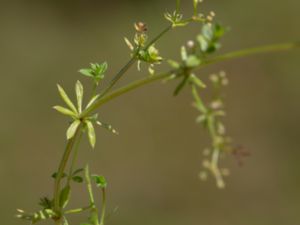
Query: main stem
x,y
61,169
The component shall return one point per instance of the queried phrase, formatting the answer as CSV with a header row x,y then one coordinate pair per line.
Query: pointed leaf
x,y
183,53
65,111
64,196
66,99
86,72
79,95
128,43
72,129
54,175
77,179
77,171
181,85
91,133
92,101
195,80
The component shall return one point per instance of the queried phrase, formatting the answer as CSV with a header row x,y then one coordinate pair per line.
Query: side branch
x,y
228,56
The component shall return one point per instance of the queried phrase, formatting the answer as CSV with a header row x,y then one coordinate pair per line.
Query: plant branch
x,y
228,56
133,59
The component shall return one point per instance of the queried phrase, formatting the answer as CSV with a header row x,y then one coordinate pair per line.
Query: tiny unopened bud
x,y
206,152
222,74
203,175
214,78
225,82
210,18
190,44
212,13
140,27
216,104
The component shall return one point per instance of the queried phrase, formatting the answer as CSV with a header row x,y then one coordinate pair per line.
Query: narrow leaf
x,y
72,129
77,171
64,196
66,99
86,72
181,85
195,80
92,101
91,133
54,175
65,111
79,94
77,179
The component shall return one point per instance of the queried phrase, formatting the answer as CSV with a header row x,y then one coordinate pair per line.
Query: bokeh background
x,y
152,165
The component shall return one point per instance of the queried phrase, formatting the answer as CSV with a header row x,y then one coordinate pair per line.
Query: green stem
x,y
253,51
124,69
75,155
232,55
61,170
123,90
103,210
79,210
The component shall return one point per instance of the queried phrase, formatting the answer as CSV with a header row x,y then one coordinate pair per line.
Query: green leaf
x,y
54,175
86,72
102,68
192,61
181,85
173,64
92,101
184,55
66,99
65,111
78,171
204,45
64,196
198,101
195,80
77,179
91,133
79,94
100,181
72,129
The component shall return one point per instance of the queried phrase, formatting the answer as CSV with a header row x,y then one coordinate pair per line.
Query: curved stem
x,y
217,59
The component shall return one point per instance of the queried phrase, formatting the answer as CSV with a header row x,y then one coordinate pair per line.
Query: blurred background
x,y
152,166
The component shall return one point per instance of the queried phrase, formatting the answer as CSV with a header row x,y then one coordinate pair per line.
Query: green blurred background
x,y
152,165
